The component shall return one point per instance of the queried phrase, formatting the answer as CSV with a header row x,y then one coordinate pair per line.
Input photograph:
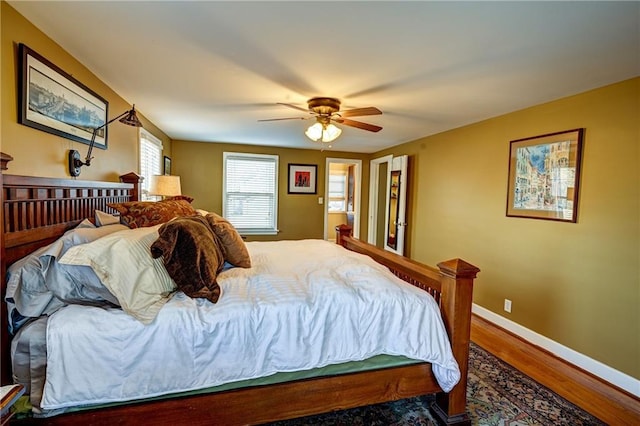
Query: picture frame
x,y
52,101
302,179
167,165
544,176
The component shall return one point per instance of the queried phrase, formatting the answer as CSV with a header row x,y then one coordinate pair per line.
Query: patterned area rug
x,y
497,394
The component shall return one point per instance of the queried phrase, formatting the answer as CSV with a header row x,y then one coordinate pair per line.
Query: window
x,y
337,193
150,160
250,192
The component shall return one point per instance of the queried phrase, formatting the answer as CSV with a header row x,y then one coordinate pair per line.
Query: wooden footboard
x,y
35,211
452,287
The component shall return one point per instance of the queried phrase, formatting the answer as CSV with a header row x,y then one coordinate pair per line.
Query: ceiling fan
x,y
326,111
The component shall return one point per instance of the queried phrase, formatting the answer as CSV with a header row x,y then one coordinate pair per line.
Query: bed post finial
x,y
4,159
136,180
341,232
457,288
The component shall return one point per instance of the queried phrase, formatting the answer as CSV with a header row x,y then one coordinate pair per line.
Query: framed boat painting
x,y
53,101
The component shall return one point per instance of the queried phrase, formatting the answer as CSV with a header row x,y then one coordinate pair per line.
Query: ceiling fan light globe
x,y
314,132
331,133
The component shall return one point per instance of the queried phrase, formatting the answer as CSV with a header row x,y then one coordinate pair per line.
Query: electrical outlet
x,y
507,305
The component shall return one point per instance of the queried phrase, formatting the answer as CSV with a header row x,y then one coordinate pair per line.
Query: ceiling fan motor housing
x,y
327,110
324,106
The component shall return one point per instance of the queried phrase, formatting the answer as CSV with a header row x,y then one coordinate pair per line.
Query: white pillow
x,y
104,218
123,263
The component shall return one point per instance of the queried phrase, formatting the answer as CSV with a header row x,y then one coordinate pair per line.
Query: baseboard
x,y
603,371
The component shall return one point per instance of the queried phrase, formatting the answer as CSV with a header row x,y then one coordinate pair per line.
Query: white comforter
x,y
303,304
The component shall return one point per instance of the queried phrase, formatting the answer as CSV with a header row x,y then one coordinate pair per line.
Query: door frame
x,y
399,164
356,193
374,181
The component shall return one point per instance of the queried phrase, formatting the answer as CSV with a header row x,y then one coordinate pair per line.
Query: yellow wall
x,y
578,284
38,153
335,219
199,165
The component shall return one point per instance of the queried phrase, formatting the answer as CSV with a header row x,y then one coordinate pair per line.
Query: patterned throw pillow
x,y
140,214
180,197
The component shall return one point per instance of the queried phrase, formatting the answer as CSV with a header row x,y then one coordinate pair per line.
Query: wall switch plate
x,y
507,305
320,200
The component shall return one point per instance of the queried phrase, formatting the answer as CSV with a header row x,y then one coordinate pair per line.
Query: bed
x,y
37,211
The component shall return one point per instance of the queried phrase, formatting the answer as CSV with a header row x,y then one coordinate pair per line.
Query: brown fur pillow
x,y
233,247
140,214
192,256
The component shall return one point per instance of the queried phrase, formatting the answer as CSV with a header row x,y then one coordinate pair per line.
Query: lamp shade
x,y
130,118
165,185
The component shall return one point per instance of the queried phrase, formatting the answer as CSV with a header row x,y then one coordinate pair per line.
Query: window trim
x,y
275,158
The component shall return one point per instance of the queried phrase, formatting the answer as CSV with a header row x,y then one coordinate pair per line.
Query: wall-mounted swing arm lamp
x,y
129,118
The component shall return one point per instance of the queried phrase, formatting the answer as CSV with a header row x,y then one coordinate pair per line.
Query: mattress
x,y
30,350
303,305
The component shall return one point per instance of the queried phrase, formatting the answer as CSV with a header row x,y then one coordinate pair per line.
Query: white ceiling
x,y
208,71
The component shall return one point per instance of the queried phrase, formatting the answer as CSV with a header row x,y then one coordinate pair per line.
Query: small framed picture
x,y
544,176
167,165
302,178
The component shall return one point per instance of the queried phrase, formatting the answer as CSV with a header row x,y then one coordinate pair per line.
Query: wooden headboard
x,y
37,210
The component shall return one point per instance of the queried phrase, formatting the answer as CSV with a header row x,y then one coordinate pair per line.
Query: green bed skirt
x,y
374,363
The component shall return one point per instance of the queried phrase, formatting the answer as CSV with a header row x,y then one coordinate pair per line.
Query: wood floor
x,y
608,403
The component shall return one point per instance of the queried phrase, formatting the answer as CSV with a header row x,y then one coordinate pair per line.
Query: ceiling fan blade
x,y
360,111
295,107
288,118
358,124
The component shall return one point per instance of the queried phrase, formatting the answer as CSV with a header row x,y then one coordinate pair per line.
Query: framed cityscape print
x,y
302,178
53,101
544,176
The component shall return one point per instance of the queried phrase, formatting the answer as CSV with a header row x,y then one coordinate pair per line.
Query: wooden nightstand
x,y
9,395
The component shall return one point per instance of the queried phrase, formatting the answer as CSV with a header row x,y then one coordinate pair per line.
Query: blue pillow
x,y
37,285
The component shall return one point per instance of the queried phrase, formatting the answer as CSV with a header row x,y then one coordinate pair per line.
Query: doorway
x,y
387,203
342,195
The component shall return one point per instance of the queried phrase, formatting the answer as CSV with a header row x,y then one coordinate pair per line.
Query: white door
x,y
397,202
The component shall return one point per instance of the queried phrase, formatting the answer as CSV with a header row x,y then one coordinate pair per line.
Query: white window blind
x,y
150,160
250,192
337,192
